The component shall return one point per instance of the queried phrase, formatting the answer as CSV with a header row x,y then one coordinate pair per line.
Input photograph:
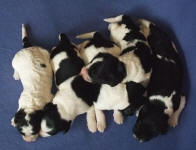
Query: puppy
x,y
134,63
102,47
165,99
66,63
31,65
95,45
77,96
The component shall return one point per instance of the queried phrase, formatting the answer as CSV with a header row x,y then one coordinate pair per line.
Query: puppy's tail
x,y
25,39
114,19
89,35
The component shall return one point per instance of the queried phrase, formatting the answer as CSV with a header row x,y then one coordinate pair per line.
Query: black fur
x,y
166,78
151,121
35,120
126,50
134,29
129,23
88,92
144,54
99,41
69,66
109,71
54,121
135,93
26,42
157,39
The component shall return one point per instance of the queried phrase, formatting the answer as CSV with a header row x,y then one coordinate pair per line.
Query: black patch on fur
x,y
127,50
86,91
99,41
19,120
176,101
43,65
109,71
35,120
26,42
135,93
53,119
161,44
151,121
133,35
68,68
144,54
64,46
129,23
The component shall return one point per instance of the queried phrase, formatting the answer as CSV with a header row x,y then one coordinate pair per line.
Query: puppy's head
x,y
119,26
52,122
151,122
104,69
28,124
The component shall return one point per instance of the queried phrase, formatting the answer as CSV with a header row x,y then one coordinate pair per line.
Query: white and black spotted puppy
x,y
100,46
76,96
95,45
134,63
165,99
66,63
32,66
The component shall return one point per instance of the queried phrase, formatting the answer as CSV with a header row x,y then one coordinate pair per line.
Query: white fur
x,y
36,81
173,120
133,68
57,60
167,100
90,52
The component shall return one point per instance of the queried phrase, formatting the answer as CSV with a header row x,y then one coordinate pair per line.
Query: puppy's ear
x,y
19,118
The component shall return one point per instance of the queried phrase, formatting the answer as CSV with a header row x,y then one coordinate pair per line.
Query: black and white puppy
x,y
66,63
95,45
134,63
76,96
32,66
165,99
99,46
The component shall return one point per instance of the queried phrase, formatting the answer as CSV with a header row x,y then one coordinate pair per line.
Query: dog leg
x,y
118,117
16,75
91,120
173,120
101,123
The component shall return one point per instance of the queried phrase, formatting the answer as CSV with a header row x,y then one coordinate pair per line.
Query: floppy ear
x,y
114,19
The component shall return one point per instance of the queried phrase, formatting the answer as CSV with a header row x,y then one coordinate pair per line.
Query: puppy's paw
x,y
16,76
173,121
101,126
118,118
92,127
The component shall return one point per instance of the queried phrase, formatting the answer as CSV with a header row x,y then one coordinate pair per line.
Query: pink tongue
x,y
84,73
